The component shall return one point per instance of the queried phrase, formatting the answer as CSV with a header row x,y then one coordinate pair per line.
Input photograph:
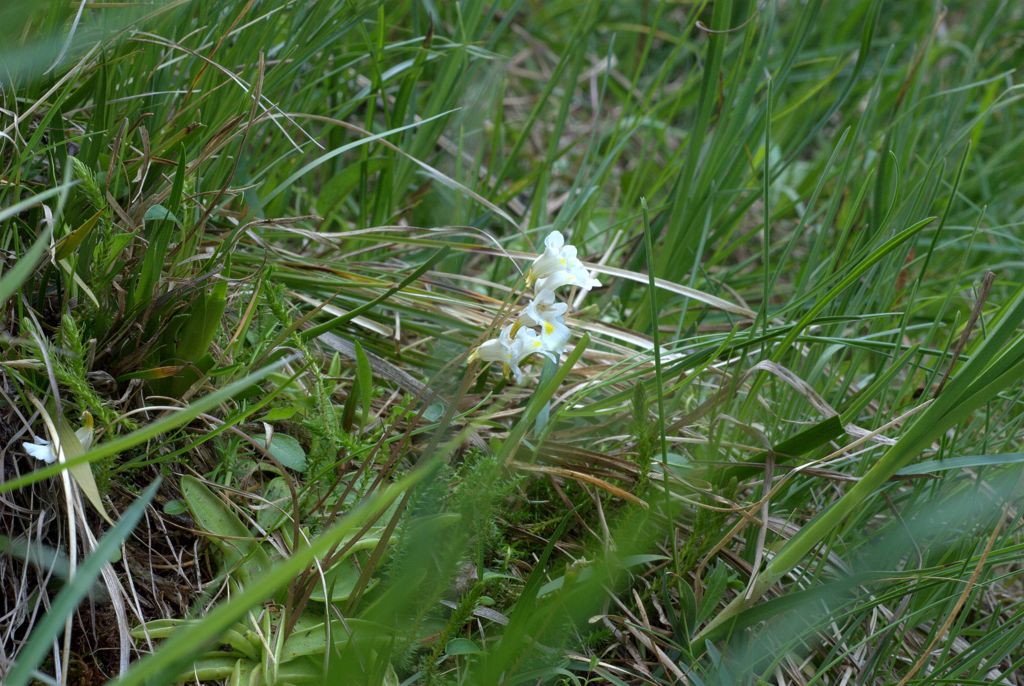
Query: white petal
x,y
554,335
557,311
554,241
583,279
40,451
544,298
545,265
562,277
528,317
493,350
85,435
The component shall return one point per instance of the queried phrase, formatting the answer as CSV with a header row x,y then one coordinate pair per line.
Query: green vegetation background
x,y
247,245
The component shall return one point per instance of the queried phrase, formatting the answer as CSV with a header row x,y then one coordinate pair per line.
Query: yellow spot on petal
x,y
549,327
536,344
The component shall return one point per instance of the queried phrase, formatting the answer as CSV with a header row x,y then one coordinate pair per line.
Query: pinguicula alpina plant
x,y
539,328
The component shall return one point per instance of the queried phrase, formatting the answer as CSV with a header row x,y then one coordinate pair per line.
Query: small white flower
x,y
575,275
553,336
543,311
510,349
558,266
40,449
556,256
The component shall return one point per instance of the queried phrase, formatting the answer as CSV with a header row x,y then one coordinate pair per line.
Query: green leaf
x,y
278,413
811,438
241,552
462,646
158,238
341,580
274,512
38,554
70,242
310,636
174,507
364,381
82,473
23,267
962,462
51,625
158,213
286,450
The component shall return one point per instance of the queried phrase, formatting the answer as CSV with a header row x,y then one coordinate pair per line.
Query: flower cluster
x,y
540,327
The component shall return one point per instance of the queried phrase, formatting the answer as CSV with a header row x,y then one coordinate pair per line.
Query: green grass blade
x,y
179,650
108,547
149,431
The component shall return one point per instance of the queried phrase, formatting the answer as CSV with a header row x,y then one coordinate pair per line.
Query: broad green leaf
x,y
462,646
70,243
279,413
38,554
276,511
310,635
158,213
286,450
174,507
242,553
341,581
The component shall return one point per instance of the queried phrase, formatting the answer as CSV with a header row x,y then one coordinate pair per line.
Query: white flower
x,y
556,256
558,266
42,449
510,349
549,315
575,275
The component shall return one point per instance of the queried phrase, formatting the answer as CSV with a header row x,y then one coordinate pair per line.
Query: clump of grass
x,y
255,242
